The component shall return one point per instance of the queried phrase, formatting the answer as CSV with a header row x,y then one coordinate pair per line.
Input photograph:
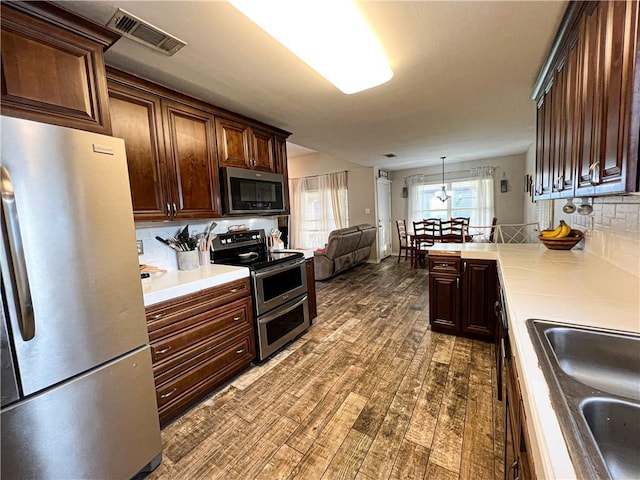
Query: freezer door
x,y
9,387
71,251
103,424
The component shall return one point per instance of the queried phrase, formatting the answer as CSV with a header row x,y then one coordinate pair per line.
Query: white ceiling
x,y
464,72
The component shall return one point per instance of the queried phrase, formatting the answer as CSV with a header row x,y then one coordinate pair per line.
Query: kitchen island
x,y
572,287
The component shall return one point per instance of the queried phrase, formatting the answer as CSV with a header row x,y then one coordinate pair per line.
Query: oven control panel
x,y
225,241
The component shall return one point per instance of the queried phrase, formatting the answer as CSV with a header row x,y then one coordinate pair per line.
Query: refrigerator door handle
x,y
26,321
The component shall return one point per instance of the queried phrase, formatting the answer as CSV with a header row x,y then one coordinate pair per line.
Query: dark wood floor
x,y
369,392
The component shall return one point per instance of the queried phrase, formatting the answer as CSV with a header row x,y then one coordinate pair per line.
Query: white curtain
x,y
336,185
413,200
318,206
485,202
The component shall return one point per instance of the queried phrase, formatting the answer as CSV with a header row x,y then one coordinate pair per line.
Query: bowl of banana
x,y
563,237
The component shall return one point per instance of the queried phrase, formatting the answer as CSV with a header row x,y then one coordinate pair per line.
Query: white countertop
x,y
174,283
307,253
566,286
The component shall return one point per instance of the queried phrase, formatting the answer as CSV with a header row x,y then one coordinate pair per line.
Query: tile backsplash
x,y
161,256
612,231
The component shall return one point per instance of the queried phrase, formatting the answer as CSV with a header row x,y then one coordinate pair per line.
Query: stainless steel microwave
x,y
252,192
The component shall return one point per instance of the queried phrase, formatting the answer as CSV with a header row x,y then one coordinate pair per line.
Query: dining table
x,y
416,239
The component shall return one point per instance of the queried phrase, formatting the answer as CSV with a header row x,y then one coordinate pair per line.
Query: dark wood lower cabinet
x,y
311,289
198,342
462,296
518,462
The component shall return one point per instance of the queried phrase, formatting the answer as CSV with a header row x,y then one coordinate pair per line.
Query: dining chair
x,y
425,234
453,230
518,233
403,239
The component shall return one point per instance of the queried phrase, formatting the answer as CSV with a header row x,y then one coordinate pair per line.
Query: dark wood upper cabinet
x,y
53,66
136,116
587,135
243,146
171,151
281,155
191,154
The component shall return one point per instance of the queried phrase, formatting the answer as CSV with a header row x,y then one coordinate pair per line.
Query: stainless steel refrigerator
x,y
78,398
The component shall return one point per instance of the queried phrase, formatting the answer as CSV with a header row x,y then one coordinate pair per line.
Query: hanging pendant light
x,y
442,194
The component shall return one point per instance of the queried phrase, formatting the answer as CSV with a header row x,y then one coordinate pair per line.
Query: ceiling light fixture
x,y
442,194
331,36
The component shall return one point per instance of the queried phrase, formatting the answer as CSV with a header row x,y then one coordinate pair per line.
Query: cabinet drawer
x,y
166,313
237,316
445,264
205,372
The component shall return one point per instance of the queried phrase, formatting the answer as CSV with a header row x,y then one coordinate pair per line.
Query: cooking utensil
x,y
585,208
168,243
569,206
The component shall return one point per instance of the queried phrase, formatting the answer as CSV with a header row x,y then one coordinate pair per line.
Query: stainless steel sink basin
x,y
594,380
606,361
614,425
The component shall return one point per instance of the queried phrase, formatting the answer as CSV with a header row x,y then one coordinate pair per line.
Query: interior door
x,y
383,199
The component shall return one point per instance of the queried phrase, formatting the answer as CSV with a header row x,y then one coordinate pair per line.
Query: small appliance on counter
x,y
78,398
279,286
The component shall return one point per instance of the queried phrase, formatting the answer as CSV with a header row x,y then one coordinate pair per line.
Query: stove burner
x,y
248,249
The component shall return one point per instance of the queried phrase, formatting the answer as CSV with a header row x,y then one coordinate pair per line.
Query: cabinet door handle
x,y
457,282
559,185
496,308
175,210
233,290
592,171
235,319
240,351
168,394
168,209
158,316
164,350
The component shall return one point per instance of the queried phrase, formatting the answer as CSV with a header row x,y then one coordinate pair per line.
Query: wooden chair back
x,y
401,226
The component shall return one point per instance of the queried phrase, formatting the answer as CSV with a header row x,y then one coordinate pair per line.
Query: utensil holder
x,y
204,258
188,260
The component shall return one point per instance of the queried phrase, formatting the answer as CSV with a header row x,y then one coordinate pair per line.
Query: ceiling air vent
x,y
136,29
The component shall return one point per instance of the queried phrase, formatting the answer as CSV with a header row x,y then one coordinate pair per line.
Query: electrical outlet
x,y
140,247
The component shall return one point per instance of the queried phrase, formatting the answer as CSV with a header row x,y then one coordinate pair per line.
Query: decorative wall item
x,y
528,186
383,174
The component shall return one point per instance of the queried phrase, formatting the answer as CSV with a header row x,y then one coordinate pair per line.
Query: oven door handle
x,y
273,315
279,268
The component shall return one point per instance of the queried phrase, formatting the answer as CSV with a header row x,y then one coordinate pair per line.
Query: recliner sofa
x,y
345,248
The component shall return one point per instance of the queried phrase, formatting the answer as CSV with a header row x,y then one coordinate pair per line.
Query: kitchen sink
x,y
614,425
594,381
605,361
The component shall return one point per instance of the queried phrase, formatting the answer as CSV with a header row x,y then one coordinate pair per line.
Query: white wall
x,y
360,180
161,256
530,213
361,184
508,206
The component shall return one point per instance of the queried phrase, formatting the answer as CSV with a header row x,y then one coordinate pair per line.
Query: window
x,y
466,201
318,206
317,218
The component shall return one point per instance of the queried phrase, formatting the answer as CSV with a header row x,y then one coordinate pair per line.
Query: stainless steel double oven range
x,y
279,284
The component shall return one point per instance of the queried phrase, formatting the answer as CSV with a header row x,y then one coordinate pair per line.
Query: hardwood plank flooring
x,y
369,392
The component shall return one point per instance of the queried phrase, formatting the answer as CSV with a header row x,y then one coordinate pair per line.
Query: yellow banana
x,y
552,233
565,231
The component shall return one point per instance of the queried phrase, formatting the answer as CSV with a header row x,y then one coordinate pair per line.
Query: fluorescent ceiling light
x,y
331,36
